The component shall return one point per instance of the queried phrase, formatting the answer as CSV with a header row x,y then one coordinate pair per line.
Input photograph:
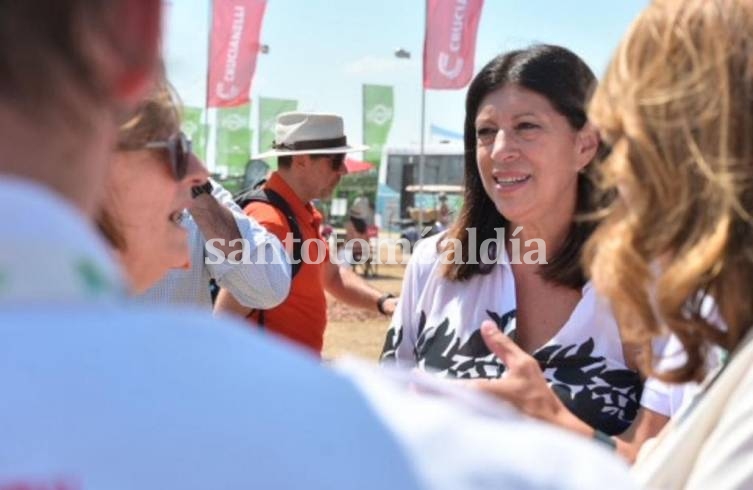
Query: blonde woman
x,y
677,107
154,176
148,188
680,234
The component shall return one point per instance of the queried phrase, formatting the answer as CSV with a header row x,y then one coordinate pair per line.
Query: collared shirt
x,y
262,282
302,317
437,328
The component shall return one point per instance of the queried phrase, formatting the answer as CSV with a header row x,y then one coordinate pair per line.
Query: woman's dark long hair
x,y
566,81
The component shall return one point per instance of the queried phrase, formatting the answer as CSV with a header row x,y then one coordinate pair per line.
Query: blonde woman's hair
x,y
677,107
156,119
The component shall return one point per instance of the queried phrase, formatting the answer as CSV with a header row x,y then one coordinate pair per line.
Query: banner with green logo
x,y
233,146
377,120
269,108
194,127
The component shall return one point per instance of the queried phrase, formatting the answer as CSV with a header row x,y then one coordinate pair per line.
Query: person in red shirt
x,y
310,150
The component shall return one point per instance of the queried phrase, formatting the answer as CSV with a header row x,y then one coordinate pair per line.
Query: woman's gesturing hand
x,y
523,384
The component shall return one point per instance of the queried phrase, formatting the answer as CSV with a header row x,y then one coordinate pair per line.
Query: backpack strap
x,y
277,201
268,196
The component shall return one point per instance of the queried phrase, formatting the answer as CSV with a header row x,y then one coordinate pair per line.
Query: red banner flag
x,y
450,42
236,25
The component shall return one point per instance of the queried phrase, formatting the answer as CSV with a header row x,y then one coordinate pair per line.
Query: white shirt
x,y
659,396
460,439
263,283
100,393
710,443
436,328
670,399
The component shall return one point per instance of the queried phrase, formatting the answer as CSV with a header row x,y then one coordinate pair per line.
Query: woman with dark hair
x,y
514,255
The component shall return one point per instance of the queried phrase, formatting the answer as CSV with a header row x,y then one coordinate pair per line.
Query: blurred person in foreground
x,y
674,254
101,393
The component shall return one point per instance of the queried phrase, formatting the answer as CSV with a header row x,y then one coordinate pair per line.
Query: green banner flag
x,y
233,149
196,130
268,110
199,143
377,120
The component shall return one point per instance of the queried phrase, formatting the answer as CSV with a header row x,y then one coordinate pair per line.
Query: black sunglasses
x,y
337,160
178,147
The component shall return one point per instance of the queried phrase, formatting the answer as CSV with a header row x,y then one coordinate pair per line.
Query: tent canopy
x,y
355,166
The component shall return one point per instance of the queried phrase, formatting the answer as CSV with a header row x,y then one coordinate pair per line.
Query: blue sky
x,y
321,52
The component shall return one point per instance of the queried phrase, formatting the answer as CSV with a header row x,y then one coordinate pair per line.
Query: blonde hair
x,y
677,106
156,119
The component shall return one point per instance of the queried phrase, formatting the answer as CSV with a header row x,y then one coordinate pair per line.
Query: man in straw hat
x,y
310,150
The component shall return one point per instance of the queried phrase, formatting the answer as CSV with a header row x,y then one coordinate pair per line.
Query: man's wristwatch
x,y
381,300
206,188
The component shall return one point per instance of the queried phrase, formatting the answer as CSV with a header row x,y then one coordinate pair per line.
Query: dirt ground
x,y
356,331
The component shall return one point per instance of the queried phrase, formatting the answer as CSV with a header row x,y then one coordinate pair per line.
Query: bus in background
x,y
443,166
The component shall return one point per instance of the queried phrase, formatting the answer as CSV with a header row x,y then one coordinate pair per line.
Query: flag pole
x,y
421,155
206,129
422,158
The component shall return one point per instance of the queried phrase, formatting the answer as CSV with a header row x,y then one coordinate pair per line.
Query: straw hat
x,y
308,133
357,214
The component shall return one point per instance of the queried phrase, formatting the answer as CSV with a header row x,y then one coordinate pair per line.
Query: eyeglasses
x,y
178,147
337,160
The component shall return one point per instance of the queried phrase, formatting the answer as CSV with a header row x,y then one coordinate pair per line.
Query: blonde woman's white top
x,y
709,443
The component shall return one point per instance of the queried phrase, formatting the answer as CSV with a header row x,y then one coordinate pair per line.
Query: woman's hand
x,y
523,384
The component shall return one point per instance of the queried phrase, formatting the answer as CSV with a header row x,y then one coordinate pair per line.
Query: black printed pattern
x,y
606,399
